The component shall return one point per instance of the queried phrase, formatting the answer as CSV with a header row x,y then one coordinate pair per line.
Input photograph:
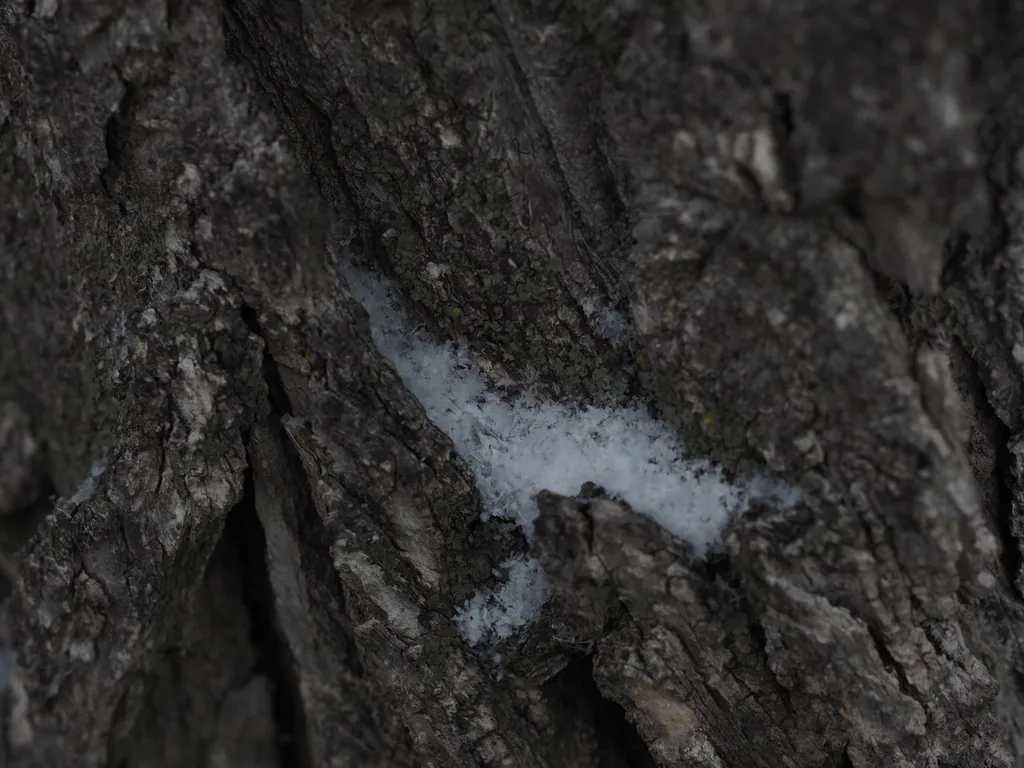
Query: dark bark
x,y
811,214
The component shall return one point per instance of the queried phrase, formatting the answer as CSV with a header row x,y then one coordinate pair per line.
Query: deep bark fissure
x,y
957,257
889,661
1001,482
1013,559
309,526
115,138
895,295
279,401
319,574
275,660
619,743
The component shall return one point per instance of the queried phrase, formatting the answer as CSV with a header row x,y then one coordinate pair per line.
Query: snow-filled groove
x,y
491,615
520,446
85,491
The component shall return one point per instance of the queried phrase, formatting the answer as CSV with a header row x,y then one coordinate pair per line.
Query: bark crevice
x,y
995,477
274,659
619,744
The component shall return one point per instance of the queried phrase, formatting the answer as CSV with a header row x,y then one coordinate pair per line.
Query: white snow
x,y
493,615
1018,352
85,491
520,446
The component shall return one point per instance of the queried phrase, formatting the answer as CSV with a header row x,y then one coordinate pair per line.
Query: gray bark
x,y
810,212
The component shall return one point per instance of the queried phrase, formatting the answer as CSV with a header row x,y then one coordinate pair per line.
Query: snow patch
x,y
1018,352
492,615
520,446
85,491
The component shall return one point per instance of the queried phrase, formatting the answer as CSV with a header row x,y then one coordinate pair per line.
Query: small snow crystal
x,y
85,491
492,615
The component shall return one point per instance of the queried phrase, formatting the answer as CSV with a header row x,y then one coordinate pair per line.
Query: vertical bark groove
x,y
274,659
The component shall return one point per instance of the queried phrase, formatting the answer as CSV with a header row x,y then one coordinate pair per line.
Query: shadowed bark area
x,y
231,536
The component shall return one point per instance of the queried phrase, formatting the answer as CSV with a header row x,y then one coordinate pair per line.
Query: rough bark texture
x,y
812,214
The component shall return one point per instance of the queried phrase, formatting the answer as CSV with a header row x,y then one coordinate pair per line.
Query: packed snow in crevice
x,y
522,445
85,491
492,615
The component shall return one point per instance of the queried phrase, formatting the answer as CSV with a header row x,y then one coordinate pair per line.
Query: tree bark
x,y
233,536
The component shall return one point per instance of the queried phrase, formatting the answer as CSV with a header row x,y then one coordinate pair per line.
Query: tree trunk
x,y
235,538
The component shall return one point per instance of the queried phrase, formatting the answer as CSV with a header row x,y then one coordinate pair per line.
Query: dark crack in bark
x,y
618,743
274,658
